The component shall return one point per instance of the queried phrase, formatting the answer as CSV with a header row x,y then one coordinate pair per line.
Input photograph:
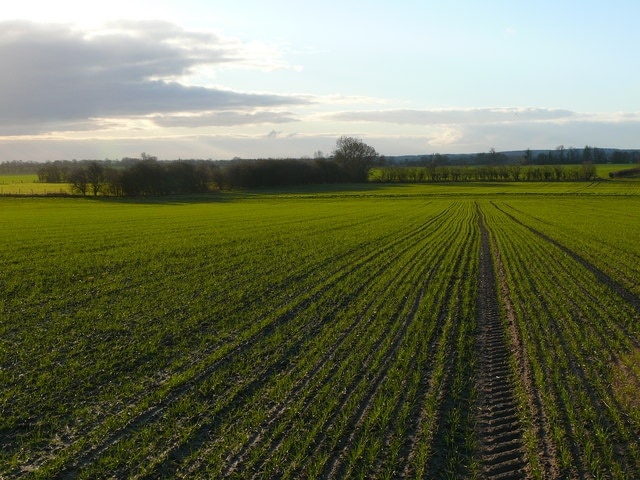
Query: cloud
x,y
454,116
222,119
55,76
463,138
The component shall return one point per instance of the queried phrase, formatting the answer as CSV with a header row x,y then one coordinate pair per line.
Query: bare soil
x,y
500,438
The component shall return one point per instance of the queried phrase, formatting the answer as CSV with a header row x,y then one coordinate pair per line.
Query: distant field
x,y
28,185
407,331
604,170
11,179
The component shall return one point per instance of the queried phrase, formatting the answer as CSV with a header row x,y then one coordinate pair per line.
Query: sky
x,y
255,79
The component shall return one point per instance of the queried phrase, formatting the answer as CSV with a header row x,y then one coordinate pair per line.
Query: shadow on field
x,y
225,196
186,199
326,189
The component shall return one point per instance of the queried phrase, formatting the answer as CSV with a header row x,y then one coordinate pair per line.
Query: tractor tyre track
x,y
500,437
546,451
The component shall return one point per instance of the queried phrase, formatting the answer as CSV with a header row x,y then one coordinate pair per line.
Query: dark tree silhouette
x,y
355,158
78,180
95,177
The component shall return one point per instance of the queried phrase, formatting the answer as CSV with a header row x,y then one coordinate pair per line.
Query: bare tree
x,y
78,180
355,158
96,177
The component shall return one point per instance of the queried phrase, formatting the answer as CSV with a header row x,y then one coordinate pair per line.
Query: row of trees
x,y
559,156
145,176
433,173
351,161
562,156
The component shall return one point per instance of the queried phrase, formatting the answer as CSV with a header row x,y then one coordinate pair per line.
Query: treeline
x,y
557,156
131,177
350,162
507,173
18,167
148,176
562,155
274,173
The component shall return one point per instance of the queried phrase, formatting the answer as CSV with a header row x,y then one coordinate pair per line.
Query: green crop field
x,y
406,331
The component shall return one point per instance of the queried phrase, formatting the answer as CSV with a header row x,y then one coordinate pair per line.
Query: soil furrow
x,y
614,285
277,411
546,449
206,431
574,349
550,458
496,401
156,411
430,340
439,342
335,468
452,431
277,441
338,466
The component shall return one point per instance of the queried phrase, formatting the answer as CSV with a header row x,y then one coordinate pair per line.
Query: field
x,y
29,185
485,331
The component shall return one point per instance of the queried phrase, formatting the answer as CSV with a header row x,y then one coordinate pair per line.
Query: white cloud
x,y
55,77
133,86
455,116
225,118
446,137
462,138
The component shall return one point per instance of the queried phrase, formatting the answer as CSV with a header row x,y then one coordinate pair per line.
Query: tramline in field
x,y
384,334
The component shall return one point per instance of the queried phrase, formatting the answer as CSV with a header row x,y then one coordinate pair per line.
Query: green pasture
x,y
297,332
603,170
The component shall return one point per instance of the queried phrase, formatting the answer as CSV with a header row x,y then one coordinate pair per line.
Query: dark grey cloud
x,y
53,73
455,116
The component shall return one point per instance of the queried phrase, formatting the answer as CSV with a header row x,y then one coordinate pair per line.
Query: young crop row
x,y
604,232
366,329
576,330
347,337
195,328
